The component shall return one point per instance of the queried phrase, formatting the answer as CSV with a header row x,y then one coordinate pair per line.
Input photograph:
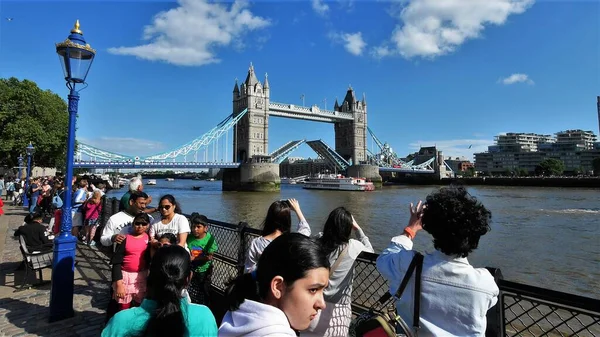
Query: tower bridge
x,y
245,157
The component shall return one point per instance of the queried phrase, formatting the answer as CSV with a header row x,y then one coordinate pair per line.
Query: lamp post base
x,y
63,274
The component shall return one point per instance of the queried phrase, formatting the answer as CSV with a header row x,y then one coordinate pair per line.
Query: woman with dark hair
x,y
455,297
277,222
163,312
283,294
171,221
342,251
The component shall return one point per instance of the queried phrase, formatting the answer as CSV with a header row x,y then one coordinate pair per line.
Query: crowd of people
x,y
294,283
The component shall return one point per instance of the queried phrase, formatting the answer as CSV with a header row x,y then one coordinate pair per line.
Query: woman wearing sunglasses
x,y
171,221
130,264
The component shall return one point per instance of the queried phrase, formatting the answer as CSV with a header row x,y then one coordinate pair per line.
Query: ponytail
x,y
239,289
169,273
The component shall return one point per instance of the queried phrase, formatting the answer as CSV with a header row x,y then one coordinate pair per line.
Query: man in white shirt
x,y
119,224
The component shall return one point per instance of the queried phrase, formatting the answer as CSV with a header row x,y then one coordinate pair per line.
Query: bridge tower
x,y
251,139
351,136
251,135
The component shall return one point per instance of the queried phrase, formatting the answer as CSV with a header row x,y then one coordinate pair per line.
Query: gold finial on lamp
x,y
76,29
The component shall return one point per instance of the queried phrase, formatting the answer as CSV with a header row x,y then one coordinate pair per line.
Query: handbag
x,y
57,201
387,323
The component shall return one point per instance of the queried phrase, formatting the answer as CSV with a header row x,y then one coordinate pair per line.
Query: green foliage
x,y
550,166
522,172
30,114
596,166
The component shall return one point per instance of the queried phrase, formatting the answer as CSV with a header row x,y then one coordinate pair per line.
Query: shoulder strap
x,y
409,272
417,305
338,260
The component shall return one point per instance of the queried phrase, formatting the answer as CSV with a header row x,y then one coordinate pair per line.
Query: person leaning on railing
x,y
455,296
277,222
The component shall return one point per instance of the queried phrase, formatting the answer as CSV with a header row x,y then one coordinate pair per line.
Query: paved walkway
x,y
26,312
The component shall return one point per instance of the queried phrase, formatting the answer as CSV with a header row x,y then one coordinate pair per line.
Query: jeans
x,y
33,204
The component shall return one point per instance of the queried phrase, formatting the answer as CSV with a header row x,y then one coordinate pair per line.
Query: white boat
x,y
151,182
170,179
338,183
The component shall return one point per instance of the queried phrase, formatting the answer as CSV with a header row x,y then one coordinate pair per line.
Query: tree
x,y
30,114
596,166
550,166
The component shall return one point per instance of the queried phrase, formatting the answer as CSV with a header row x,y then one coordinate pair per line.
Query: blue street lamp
x,y
76,57
30,150
20,161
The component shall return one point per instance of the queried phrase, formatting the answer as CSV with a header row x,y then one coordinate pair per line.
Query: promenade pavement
x,y
26,312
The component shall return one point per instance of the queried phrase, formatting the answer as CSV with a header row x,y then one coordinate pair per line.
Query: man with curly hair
x,y
455,296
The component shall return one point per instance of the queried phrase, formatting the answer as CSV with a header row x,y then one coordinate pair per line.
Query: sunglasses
x,y
165,207
140,223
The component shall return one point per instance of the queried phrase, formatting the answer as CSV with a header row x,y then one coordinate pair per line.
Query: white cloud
x,y
353,43
320,7
189,35
455,147
516,78
430,28
126,145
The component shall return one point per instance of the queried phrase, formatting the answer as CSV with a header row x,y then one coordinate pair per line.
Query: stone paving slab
x,y
26,312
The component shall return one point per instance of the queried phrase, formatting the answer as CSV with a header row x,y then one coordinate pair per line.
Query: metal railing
x,y
522,310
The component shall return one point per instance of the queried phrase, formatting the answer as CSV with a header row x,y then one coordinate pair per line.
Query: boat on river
x,y
337,182
151,182
170,179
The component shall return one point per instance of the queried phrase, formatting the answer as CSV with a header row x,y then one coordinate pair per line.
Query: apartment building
x,y
515,151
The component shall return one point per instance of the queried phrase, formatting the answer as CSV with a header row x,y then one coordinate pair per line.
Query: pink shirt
x,y
133,261
92,211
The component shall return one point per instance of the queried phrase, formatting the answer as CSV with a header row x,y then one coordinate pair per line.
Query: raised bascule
x,y
251,135
250,166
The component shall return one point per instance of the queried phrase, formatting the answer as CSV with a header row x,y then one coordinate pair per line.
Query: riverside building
x,y
524,151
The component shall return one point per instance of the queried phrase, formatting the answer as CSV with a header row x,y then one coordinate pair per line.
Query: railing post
x,y
495,316
242,249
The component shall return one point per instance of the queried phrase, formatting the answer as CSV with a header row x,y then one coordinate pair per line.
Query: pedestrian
x,y
202,246
130,266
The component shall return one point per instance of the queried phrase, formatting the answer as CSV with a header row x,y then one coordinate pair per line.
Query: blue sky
x,y
449,73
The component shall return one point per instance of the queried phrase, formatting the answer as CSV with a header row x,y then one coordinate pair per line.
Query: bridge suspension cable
x,y
203,142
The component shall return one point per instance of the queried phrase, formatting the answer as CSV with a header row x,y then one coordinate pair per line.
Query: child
x,y
130,264
167,239
91,210
202,246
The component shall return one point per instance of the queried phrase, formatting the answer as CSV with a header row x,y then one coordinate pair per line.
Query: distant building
x,y
296,167
517,151
458,164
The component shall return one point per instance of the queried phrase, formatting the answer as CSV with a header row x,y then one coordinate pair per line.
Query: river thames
x,y
546,237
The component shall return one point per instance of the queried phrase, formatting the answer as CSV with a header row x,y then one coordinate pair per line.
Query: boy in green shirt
x,y
202,246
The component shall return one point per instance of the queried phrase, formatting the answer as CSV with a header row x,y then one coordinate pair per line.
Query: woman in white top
x,y
342,251
171,221
277,222
283,294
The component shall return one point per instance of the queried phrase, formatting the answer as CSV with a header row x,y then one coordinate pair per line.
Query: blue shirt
x,y
199,320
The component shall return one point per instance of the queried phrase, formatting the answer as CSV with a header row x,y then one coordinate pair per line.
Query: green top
x,y
199,320
124,203
204,246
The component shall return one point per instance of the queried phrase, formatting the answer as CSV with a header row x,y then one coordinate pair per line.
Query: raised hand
x,y
355,225
294,204
416,213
